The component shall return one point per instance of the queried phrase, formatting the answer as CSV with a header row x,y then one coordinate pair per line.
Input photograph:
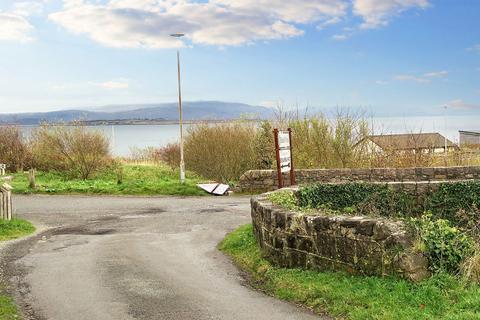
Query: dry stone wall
x,y
359,245
266,180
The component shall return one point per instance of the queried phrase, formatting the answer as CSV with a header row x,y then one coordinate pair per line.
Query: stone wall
x,y
360,245
266,180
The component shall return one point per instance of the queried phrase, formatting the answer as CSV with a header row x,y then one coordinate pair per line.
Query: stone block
x,y
365,227
440,173
291,241
304,244
427,174
280,219
321,223
346,250
325,245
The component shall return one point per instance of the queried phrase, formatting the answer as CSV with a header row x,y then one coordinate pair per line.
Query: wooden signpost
x,y
283,147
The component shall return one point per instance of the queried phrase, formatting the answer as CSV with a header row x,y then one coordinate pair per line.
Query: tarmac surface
x,y
115,258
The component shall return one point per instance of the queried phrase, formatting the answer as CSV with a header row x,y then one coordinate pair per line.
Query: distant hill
x,y
199,110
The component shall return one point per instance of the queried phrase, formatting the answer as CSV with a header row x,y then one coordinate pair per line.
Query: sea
x,y
126,138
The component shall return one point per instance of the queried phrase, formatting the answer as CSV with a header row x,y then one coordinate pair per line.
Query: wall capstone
x,y
267,180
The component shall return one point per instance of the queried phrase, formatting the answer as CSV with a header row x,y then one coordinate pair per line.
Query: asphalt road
x,y
133,258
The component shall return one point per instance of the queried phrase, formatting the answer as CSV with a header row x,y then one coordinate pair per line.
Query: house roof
x,y
470,132
411,141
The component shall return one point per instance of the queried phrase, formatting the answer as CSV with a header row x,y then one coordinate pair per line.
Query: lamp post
x,y
446,146
182,162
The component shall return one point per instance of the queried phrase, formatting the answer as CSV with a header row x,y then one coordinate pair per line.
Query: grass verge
x,y
15,228
344,296
137,180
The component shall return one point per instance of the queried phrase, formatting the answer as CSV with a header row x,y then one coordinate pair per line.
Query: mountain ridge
x,y
192,110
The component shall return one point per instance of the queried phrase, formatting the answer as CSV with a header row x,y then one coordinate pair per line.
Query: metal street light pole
x,y
182,162
446,146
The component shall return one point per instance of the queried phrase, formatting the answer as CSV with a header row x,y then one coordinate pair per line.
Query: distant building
x,y
469,138
416,142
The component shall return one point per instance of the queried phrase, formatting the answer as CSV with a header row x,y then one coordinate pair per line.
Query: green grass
x,y
345,296
15,228
10,230
8,310
137,180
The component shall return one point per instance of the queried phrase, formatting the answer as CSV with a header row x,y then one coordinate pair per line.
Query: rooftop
x,y
411,141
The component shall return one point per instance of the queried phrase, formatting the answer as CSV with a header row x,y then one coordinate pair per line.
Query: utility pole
x,y
446,144
180,118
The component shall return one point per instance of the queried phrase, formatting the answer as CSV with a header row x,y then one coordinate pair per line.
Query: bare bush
x,y
222,151
319,142
170,155
144,155
14,150
73,149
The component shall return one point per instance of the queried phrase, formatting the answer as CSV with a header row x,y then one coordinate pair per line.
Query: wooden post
x,y
31,179
2,201
6,206
292,169
279,168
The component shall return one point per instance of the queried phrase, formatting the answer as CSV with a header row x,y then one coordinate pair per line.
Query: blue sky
x,y
386,56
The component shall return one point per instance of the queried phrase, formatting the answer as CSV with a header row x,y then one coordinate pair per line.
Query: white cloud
x,y
408,77
460,104
14,27
299,11
112,84
14,23
424,78
474,48
436,74
376,13
28,8
381,82
147,23
340,37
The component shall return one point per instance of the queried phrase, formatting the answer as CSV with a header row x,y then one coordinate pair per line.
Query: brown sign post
x,y
283,148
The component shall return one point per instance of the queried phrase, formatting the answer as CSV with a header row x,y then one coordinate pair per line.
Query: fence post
x,y
6,205
31,179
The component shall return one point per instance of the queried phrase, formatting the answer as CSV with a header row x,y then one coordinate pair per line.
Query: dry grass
x,y
471,267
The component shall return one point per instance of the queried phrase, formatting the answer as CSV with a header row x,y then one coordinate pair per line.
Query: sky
x,y
386,56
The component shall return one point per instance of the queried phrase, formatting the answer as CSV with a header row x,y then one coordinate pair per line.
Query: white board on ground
x,y
209,187
217,189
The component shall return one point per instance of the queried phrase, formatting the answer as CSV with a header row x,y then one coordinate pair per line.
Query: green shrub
x,y
285,199
358,198
446,247
451,198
